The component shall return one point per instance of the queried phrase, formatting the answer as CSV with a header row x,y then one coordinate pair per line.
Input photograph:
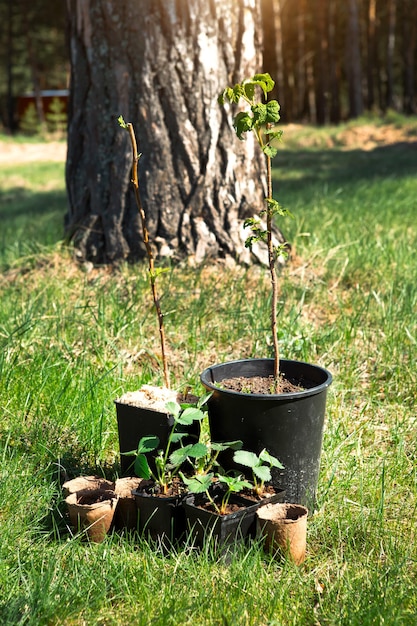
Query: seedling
x,y
154,272
261,120
202,483
203,457
167,466
260,465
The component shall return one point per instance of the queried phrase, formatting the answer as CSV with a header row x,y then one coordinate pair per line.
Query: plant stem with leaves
x,y
262,119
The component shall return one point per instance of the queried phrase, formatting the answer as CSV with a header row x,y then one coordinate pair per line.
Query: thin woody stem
x,y
151,261
272,270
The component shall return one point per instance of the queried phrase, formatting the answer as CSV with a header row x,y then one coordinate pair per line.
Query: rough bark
x,y
409,28
334,68
353,60
389,99
161,65
321,69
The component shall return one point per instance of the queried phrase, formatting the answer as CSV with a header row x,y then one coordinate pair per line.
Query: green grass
x,y
72,341
32,201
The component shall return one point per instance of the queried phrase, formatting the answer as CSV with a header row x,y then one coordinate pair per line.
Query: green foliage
x,y
263,116
203,483
262,120
56,117
259,464
167,464
30,124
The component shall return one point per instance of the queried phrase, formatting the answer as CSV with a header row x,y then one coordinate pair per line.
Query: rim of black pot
x,y
207,378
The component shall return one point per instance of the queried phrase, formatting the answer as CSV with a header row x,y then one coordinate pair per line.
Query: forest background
x,y
332,59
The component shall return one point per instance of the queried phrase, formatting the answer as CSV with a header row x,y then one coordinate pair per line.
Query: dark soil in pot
x,y
261,384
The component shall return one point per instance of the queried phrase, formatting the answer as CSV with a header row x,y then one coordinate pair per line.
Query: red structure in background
x,y
47,95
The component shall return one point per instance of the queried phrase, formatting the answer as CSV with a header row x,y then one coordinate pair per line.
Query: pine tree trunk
x,y
321,69
389,98
353,61
161,65
334,68
409,29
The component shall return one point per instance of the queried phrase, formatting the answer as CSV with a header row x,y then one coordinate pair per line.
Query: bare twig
x,y
151,261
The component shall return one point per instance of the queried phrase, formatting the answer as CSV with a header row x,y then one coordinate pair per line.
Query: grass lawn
x,y
71,341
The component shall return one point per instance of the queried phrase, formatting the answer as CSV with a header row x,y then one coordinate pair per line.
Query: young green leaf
x,y
199,483
193,451
121,121
147,444
242,123
234,483
246,458
270,151
189,415
225,445
272,460
177,436
141,467
262,472
265,82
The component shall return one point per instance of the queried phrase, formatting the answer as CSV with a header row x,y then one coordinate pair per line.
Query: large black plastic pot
x,y
135,422
288,425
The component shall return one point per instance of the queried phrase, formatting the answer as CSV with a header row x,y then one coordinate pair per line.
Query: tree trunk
x,y
161,65
33,64
353,61
409,28
371,56
389,99
321,69
301,82
334,69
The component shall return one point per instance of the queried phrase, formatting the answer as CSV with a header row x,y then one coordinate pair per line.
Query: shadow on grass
x,y
30,220
338,167
21,203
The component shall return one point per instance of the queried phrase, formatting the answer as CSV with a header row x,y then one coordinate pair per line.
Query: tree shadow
x,y
19,202
341,167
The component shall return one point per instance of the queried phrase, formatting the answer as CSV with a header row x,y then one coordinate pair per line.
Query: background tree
x,y
33,52
161,65
308,49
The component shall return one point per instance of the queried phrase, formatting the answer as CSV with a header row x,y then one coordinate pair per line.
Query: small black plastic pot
x,y
161,518
221,530
288,425
135,422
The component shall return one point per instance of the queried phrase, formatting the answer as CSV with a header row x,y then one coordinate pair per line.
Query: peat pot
x,y
92,511
288,425
283,528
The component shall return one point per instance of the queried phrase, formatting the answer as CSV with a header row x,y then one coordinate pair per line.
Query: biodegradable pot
x,y
205,525
92,510
278,496
284,529
288,425
126,515
86,482
134,422
160,517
